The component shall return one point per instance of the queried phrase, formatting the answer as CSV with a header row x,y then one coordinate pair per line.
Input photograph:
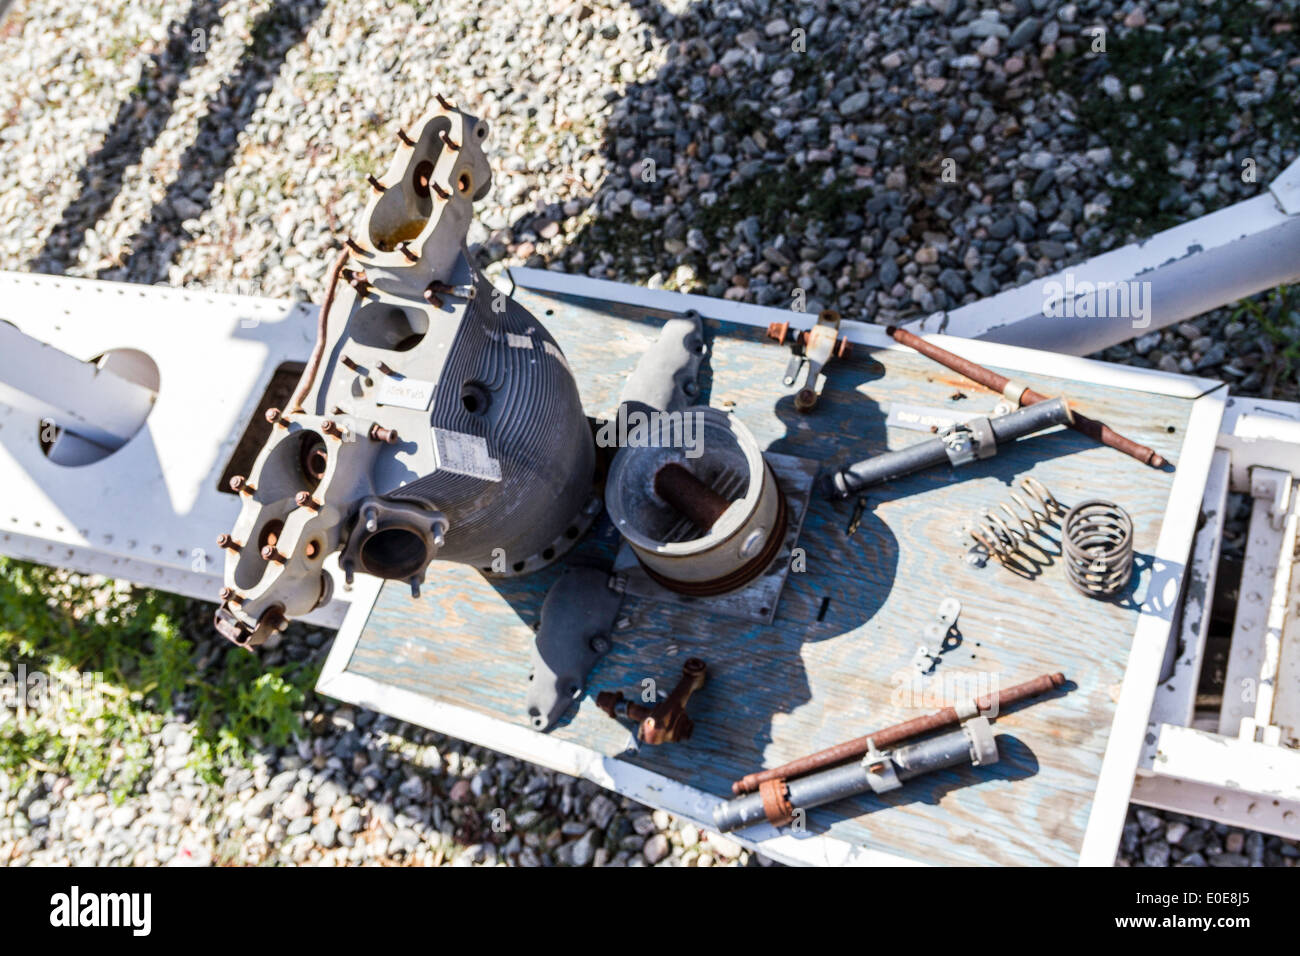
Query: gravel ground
x,y
687,145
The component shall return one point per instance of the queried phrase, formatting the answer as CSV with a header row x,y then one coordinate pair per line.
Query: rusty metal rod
x,y
693,498
889,736
1098,431
322,330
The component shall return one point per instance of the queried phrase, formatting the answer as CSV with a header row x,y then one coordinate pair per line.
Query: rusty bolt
x,y
433,292
238,484
442,193
669,722
406,140
386,435
226,543
844,348
231,596
276,417
357,280
442,101
269,553
348,363
375,184
303,499
331,428
274,618
405,250
383,367
448,141
352,246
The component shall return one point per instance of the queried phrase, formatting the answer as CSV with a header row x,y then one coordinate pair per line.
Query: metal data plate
x,y
758,601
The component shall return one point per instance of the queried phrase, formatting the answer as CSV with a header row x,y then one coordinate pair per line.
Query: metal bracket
x,y
814,350
665,376
937,636
573,634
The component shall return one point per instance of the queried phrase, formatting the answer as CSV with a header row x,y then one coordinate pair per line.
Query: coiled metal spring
x,y
1098,546
1005,533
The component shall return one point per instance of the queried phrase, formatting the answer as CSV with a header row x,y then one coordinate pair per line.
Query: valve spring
x,y
1098,546
1005,532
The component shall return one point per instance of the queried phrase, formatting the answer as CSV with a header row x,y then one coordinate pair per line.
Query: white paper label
x,y
404,393
464,455
922,419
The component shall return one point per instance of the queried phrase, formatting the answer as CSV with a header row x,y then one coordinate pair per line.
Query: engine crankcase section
x,y
495,439
438,417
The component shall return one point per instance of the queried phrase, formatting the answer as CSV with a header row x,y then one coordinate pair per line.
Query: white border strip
x,y
1137,693
864,333
1176,700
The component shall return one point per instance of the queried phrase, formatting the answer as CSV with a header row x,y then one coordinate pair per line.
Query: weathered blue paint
x,y
778,692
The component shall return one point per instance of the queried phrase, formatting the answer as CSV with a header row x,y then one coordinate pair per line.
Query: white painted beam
x,y
53,386
1236,252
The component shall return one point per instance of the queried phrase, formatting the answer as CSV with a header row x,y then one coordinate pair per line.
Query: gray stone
x,y
1024,33
655,849
855,104
325,833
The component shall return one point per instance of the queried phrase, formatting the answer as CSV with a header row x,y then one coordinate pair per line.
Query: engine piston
x,y
701,525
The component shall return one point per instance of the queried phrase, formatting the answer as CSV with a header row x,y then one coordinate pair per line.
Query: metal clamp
x,y
983,745
879,768
969,441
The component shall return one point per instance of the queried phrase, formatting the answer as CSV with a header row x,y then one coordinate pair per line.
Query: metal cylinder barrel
x,y
973,743
989,433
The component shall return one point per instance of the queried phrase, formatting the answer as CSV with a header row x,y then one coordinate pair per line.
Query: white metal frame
x,y
1192,268
150,511
1246,770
